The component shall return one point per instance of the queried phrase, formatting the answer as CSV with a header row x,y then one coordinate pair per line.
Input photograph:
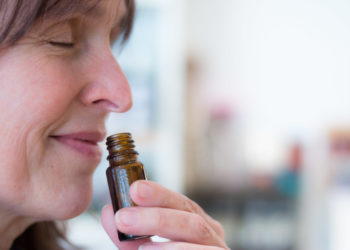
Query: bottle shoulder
x,y
125,165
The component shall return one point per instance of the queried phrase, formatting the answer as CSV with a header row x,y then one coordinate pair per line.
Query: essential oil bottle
x,y
123,170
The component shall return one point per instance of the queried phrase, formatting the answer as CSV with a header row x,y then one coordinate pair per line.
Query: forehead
x,y
106,9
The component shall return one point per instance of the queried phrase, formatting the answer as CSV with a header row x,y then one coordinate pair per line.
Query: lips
x,y
85,143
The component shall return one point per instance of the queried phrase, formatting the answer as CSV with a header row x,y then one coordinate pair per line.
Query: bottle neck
x,y
121,149
122,159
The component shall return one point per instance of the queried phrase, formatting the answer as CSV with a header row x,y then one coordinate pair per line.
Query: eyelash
x,y
61,44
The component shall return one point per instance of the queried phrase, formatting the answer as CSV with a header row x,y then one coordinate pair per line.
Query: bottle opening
x,y
120,146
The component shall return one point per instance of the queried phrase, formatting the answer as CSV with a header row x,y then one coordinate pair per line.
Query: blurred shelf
x,y
253,219
207,197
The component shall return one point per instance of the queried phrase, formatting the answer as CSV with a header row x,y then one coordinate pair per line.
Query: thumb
x,y
109,224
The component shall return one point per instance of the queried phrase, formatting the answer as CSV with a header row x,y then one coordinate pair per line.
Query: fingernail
x,y
144,190
126,217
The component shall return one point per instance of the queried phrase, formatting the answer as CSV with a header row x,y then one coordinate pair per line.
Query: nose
x,y
107,87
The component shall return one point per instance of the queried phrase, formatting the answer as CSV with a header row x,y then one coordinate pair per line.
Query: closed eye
x,y
61,44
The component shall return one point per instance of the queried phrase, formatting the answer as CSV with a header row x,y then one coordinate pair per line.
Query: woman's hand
x,y
164,213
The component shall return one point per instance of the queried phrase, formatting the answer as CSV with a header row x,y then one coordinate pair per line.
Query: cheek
x,y
35,94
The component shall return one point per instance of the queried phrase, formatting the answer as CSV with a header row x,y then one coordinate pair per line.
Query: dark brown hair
x,y
16,18
47,235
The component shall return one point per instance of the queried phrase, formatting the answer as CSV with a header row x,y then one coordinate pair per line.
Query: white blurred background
x,y
243,105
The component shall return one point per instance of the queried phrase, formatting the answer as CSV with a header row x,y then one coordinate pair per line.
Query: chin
x,y
75,205
74,210
67,203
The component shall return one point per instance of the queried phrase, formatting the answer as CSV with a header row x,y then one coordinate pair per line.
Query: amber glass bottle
x,y
123,170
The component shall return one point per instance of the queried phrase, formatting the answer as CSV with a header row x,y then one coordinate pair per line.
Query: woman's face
x,y
57,86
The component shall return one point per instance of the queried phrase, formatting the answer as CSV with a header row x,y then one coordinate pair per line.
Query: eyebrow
x,y
96,11
67,9
120,23
93,11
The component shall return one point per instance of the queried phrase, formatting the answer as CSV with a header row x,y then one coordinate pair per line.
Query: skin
x,y
49,90
167,214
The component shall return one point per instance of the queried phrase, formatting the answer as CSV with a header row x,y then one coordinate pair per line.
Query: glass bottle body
x,y
124,169
120,179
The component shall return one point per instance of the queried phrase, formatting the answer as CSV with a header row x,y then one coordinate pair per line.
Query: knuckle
x,y
219,228
191,206
200,227
160,221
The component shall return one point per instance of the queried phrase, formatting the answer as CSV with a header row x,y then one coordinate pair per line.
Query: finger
x,y
108,222
168,223
176,246
151,194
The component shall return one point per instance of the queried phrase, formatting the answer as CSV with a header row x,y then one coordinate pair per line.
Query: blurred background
x,y
244,106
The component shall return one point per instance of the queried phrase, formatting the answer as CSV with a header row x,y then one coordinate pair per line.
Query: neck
x,y
11,226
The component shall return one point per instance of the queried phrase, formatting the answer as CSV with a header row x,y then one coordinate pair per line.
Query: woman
x,y
58,82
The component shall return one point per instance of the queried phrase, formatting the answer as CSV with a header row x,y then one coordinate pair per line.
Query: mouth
x,y
85,143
